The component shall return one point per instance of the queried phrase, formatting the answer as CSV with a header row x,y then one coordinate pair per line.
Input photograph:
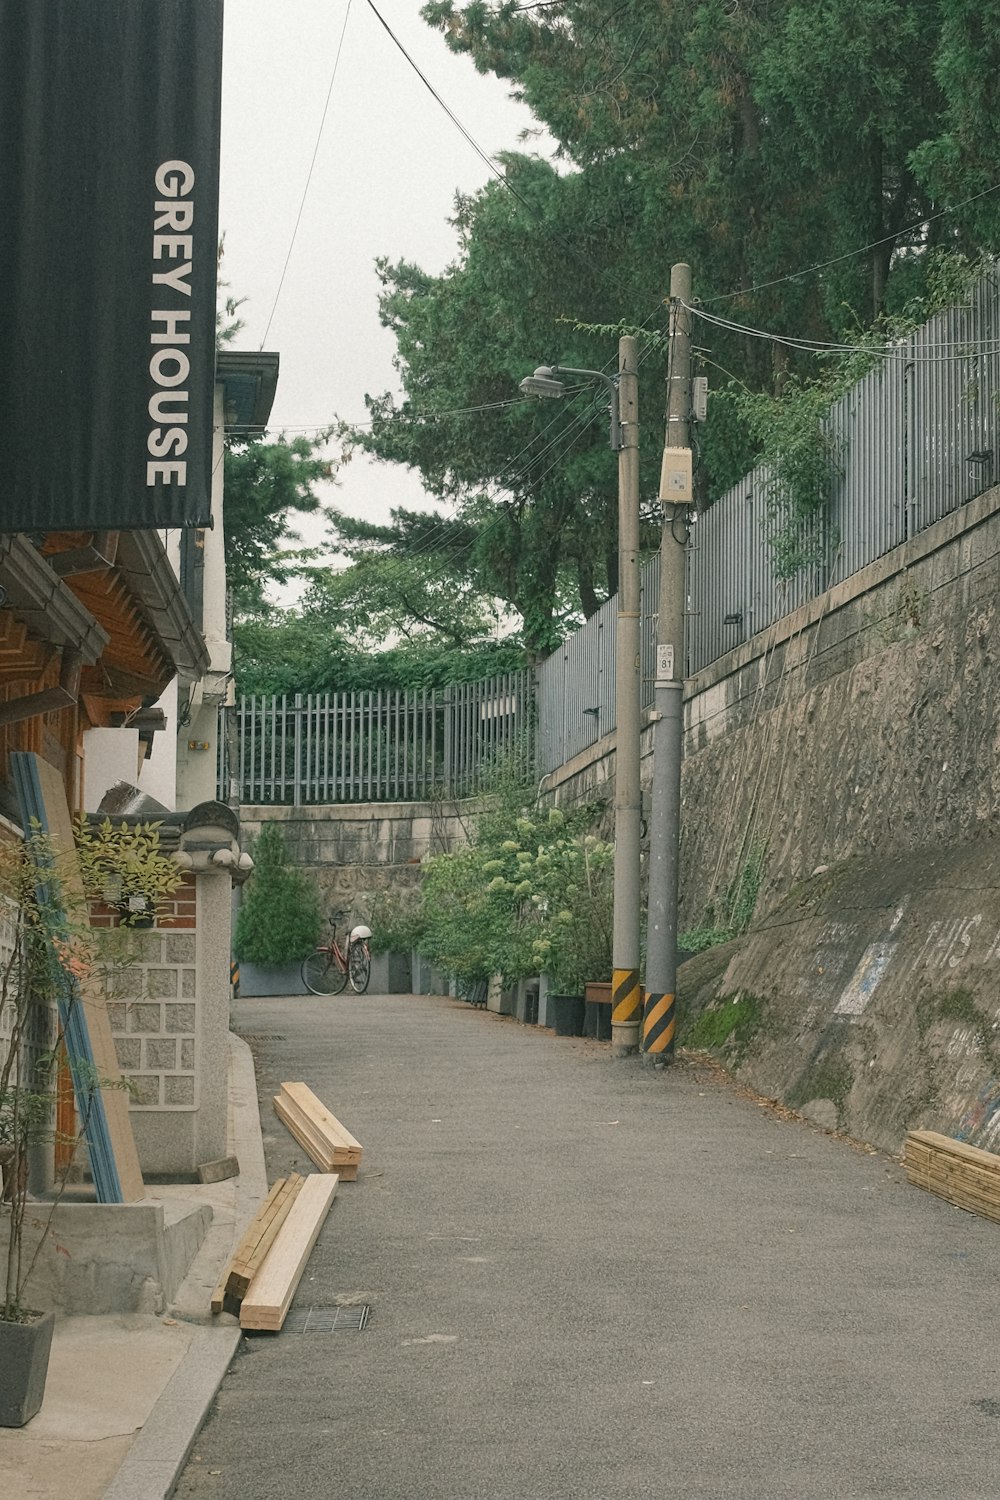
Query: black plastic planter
x,y
597,1021
568,1013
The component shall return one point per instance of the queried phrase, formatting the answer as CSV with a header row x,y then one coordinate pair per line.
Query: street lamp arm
x,y
545,382
610,381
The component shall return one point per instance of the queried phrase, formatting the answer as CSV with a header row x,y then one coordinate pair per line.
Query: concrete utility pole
x,y
676,496
623,392
626,998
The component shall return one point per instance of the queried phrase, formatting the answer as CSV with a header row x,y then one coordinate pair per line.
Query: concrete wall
x,y
108,1257
866,721
158,772
358,853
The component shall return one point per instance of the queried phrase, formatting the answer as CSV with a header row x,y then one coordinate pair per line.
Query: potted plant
x,y
25,1107
279,920
47,946
531,893
576,909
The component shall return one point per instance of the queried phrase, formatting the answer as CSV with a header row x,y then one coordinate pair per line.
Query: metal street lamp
x,y
546,383
623,389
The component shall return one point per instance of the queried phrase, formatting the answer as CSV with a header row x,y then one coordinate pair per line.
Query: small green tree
x,y
279,918
267,483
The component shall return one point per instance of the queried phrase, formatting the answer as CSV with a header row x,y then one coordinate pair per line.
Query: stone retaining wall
x,y
866,721
358,853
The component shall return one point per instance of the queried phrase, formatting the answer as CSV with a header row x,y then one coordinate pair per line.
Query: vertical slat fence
x,y
915,438
380,746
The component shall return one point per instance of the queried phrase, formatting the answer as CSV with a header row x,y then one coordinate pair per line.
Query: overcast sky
x,y
388,165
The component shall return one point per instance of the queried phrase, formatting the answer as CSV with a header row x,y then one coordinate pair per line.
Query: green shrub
x,y
575,918
397,921
279,919
531,893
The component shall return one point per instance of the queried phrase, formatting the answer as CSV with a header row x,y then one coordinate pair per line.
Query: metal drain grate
x,y
327,1319
261,1036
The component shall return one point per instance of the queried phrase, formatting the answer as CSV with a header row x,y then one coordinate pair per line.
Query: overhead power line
x,y
309,174
957,349
822,265
497,170
484,156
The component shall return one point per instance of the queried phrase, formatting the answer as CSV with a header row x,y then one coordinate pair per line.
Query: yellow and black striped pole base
x,y
659,1022
234,979
626,997
626,1011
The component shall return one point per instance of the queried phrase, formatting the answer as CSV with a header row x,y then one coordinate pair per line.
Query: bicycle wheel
x,y
321,973
359,963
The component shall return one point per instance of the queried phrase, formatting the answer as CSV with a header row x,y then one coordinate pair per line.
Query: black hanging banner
x,y
109,199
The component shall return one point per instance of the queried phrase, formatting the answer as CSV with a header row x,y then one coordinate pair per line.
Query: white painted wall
x,y
158,774
198,739
109,755
220,650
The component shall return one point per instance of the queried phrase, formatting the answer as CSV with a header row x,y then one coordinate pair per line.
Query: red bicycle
x,y
327,970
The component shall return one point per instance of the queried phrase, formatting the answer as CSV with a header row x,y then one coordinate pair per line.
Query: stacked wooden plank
x,y
320,1134
965,1175
90,1046
270,1293
250,1253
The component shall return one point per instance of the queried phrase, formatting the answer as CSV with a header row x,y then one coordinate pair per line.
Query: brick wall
x,y
152,1005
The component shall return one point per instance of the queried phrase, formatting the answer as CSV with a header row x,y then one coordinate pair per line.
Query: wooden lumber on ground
x,y
329,1144
319,1151
252,1249
271,1291
964,1175
219,1170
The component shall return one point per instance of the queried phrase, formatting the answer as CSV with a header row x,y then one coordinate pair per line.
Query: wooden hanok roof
x,y
109,603
126,584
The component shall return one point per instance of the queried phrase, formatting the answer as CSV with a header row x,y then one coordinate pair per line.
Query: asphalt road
x,y
589,1281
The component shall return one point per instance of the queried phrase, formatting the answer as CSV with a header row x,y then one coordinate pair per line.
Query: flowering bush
x,y
532,893
575,902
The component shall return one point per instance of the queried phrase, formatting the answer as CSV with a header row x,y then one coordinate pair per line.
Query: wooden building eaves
x,y
144,566
45,604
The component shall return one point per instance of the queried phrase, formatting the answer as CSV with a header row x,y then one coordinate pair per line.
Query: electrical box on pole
x,y
676,485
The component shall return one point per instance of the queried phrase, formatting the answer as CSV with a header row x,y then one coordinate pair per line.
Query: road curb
x,y
164,1443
